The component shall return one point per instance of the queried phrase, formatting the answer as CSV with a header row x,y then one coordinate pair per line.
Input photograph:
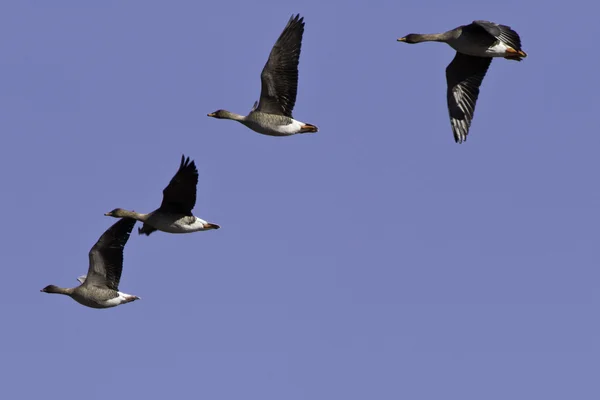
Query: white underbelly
x,y
279,130
180,225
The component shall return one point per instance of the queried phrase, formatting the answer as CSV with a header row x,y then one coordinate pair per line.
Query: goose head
x,y
220,114
118,213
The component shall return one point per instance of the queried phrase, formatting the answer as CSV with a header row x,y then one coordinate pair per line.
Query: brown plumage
x,y
475,44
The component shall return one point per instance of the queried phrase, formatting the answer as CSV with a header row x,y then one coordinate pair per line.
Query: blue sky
x,y
376,259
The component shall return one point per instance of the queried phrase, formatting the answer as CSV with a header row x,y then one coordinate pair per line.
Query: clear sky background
x,y
376,259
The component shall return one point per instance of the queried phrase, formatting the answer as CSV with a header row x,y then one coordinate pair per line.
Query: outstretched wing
x,y
106,256
279,77
464,76
180,195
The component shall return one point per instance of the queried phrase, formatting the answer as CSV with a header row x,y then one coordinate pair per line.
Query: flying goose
x,y
100,287
475,45
175,213
272,115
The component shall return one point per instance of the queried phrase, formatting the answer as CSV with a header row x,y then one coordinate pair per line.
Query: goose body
x,y
174,223
276,125
175,213
465,45
100,287
272,114
100,300
475,44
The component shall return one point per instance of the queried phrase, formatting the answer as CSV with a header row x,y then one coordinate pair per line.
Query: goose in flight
x,y
272,114
175,212
475,44
100,287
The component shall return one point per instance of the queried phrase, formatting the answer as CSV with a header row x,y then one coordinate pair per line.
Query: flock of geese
x,y
475,44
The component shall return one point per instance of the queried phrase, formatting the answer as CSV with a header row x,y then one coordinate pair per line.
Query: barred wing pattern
x,y
464,76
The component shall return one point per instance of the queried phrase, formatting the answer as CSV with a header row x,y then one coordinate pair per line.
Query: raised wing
x,y
464,76
279,77
180,195
106,257
501,32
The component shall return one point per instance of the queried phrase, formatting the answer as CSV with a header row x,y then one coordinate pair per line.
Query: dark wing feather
x,y
464,76
279,77
501,32
106,256
180,195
